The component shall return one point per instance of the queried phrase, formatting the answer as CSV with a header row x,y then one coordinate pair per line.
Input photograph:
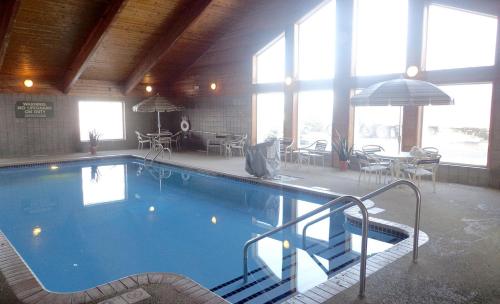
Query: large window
x,y
106,117
316,44
380,31
270,115
270,62
460,131
378,125
315,113
458,39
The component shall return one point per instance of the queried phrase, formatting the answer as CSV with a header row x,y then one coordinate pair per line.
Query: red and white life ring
x,y
185,126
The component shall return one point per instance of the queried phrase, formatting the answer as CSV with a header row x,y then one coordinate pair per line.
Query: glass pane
x,y
380,32
315,113
105,117
271,62
464,40
378,125
460,131
316,44
270,115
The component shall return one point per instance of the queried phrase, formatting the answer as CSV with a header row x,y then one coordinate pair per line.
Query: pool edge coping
x,y
318,294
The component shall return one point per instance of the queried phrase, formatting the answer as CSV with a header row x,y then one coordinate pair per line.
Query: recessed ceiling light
x,y
151,209
28,83
213,86
149,89
214,220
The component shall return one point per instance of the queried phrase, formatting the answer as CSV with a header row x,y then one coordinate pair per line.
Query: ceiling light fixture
x,y
213,86
149,89
28,83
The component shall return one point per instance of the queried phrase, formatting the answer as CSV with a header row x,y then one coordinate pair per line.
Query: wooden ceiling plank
x,y
173,32
8,12
91,44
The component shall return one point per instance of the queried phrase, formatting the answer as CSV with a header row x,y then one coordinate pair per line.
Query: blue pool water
x,y
81,224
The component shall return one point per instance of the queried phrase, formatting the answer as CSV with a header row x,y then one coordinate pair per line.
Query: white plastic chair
x,y
369,165
424,167
142,139
237,144
319,151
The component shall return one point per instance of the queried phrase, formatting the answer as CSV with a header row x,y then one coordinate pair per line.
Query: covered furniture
x,y
263,160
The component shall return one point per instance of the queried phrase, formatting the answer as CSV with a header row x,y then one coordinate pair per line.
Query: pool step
x,y
263,286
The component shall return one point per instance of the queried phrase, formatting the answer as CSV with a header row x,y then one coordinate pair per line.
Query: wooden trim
x,y
172,32
91,44
8,12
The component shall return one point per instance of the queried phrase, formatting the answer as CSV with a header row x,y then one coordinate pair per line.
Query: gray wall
x,y
226,114
60,134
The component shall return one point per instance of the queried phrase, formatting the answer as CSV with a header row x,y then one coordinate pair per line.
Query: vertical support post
x,y
493,162
411,130
288,122
343,68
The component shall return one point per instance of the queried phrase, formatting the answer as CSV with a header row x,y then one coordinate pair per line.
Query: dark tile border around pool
x,y
28,290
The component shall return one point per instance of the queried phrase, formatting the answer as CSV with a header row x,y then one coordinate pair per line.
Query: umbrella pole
x,y
159,124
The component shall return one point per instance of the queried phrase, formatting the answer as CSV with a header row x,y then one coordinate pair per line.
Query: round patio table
x,y
396,158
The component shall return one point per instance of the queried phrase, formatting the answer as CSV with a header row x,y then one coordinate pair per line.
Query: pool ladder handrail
x,y
364,226
343,199
377,192
162,149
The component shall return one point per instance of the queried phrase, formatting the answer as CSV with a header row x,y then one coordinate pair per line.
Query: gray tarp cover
x,y
263,160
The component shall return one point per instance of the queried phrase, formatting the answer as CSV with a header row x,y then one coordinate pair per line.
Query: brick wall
x,y
60,134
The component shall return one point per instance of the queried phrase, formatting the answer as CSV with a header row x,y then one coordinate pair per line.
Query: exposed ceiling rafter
x,y
91,44
173,31
8,12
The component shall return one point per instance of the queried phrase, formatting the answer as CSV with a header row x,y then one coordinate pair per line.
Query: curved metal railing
x,y
364,226
416,228
343,199
159,148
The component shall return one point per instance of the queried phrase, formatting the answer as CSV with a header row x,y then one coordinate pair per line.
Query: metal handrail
x,y
343,199
162,150
373,194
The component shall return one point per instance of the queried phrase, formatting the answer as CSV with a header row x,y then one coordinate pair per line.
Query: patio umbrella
x,y
402,92
156,104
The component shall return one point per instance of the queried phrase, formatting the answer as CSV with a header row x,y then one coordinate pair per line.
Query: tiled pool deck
x,y
18,275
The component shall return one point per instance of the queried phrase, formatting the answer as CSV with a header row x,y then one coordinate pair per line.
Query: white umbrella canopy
x,y
156,104
402,92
